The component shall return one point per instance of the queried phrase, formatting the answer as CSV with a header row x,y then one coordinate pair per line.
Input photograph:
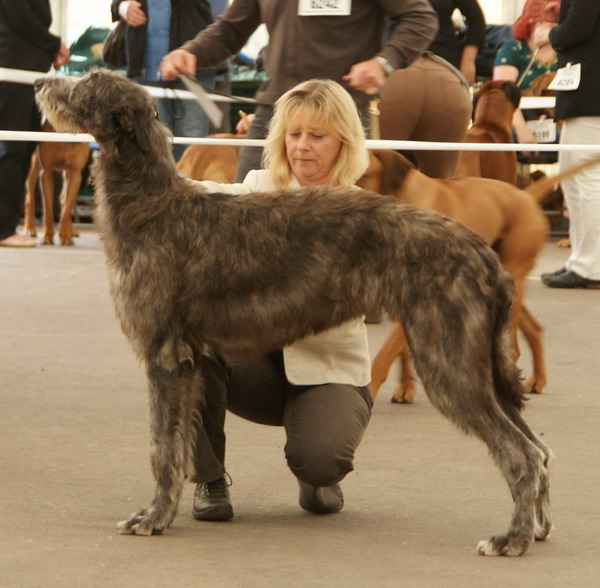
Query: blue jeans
x,y
185,118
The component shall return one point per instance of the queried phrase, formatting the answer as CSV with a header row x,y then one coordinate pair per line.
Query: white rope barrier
x,y
29,77
370,144
20,76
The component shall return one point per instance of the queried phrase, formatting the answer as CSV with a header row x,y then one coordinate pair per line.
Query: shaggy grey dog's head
x,y
105,104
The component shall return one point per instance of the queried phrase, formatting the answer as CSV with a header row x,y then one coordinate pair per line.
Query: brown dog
x,y
211,162
510,219
70,159
493,108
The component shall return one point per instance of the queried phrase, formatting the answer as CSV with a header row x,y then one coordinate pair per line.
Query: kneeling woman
x,y
317,387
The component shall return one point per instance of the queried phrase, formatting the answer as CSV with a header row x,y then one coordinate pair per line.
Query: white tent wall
x,y
72,17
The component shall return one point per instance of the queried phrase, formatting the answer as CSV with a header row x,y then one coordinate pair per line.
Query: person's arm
x,y
578,25
216,43
131,12
415,26
26,24
250,184
474,37
467,63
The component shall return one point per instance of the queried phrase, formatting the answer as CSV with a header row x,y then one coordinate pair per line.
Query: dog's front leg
x,y
171,415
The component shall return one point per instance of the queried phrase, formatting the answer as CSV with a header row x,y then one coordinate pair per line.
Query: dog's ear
x,y
394,169
135,124
512,92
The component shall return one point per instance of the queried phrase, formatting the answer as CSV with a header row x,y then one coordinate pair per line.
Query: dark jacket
x,y
577,40
188,18
25,42
447,43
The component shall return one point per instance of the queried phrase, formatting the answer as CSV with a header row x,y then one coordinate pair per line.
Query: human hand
x,y
526,137
550,11
468,70
540,35
366,76
61,57
131,12
176,63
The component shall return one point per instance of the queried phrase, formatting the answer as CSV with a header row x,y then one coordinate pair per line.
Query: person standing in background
x,y
461,53
576,39
25,43
154,29
346,44
524,58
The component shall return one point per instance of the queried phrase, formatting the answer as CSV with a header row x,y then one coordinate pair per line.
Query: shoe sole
x,y
213,514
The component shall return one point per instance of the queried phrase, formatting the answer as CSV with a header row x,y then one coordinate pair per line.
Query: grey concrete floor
x,y
74,461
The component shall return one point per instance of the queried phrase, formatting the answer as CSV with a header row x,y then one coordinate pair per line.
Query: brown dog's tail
x,y
540,189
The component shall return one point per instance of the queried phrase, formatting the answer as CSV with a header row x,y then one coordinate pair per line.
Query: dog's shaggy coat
x,y
193,273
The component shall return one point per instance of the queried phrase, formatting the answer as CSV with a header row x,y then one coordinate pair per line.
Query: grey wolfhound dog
x,y
193,274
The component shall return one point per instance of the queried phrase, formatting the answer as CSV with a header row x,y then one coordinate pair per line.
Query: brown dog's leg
x,y
394,347
32,178
532,331
72,183
47,182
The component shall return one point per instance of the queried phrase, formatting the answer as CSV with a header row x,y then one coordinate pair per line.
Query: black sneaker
x,y
321,499
570,280
549,275
212,502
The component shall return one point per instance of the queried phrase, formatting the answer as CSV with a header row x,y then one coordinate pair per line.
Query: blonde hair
x,y
332,105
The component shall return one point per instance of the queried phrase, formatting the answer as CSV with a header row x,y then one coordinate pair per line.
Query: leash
x,y
374,119
526,71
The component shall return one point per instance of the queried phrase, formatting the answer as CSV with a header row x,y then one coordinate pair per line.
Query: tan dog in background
x,y
70,159
493,108
511,221
211,162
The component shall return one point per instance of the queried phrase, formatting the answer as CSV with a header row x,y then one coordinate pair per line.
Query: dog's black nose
x,y
38,83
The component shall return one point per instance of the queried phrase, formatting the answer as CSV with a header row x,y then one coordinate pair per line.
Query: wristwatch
x,y
387,67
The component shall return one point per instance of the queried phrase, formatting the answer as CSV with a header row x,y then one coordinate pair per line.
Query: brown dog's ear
x,y
394,169
512,92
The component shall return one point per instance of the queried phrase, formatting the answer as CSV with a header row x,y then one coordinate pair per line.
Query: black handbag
x,y
113,51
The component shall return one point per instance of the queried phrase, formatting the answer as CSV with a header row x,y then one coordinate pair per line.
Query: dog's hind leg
x,y
171,410
472,385
532,331
521,461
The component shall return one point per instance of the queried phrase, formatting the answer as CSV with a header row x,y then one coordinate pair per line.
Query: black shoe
x,y
558,272
569,279
212,502
321,499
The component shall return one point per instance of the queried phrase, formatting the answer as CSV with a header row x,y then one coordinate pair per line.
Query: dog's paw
x,y
141,523
504,545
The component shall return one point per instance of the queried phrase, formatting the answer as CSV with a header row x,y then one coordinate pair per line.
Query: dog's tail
x,y
540,189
